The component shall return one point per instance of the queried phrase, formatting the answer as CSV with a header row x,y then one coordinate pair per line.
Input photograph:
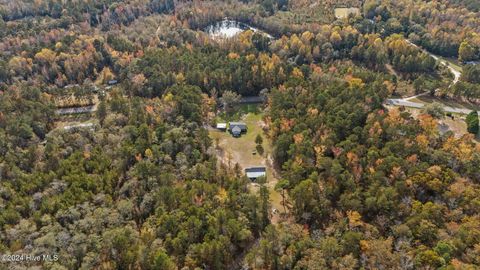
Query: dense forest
x,y
141,185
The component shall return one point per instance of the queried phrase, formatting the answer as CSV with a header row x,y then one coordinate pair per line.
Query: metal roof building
x,y
253,173
222,126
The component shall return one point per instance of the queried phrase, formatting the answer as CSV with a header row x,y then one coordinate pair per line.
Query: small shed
x,y
253,173
222,126
240,125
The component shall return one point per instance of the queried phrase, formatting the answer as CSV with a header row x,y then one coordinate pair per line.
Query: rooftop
x,y
255,172
236,130
252,100
82,125
237,124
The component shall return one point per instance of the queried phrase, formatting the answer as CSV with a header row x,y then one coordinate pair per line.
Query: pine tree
x,y
472,122
102,112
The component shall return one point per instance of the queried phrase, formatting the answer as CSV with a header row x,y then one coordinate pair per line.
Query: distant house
x,y
76,127
237,128
252,100
71,86
76,110
222,126
253,173
112,82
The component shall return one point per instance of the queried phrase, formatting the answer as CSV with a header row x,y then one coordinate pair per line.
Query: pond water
x,y
229,28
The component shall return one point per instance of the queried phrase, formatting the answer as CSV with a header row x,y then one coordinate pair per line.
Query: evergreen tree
x,y
472,122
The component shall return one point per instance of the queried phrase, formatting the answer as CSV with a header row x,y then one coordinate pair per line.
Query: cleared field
x,y
302,12
457,125
341,13
404,89
240,150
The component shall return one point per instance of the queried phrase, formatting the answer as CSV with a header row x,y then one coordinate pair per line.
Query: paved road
x,y
406,101
418,105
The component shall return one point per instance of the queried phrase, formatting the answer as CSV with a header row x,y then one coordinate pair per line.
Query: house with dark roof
x,y
236,131
252,100
253,173
237,128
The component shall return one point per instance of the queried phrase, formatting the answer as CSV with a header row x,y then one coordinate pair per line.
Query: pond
x,y
229,28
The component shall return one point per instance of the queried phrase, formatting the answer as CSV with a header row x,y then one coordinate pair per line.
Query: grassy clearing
x,y
240,150
314,14
341,13
457,125
302,12
404,89
308,12
240,111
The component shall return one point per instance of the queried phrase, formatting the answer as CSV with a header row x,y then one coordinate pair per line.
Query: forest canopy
x,y
107,158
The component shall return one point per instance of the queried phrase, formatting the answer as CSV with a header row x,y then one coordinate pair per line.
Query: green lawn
x,y
238,112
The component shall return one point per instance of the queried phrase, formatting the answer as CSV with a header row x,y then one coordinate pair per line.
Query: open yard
x,y
241,150
344,12
457,125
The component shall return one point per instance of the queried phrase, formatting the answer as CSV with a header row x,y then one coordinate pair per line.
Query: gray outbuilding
x,y
253,173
